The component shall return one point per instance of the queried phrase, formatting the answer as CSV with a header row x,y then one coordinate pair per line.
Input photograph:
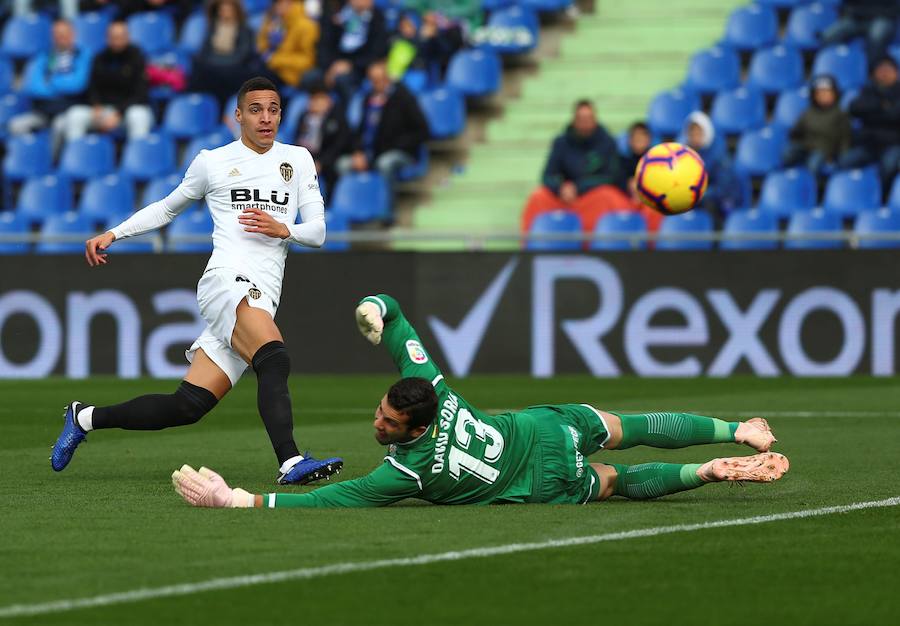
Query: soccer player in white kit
x,y
254,188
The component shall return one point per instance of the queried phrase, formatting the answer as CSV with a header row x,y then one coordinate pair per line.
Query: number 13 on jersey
x,y
459,459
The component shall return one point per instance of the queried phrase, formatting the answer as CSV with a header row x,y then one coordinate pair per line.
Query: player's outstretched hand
x,y
368,319
206,488
95,246
258,221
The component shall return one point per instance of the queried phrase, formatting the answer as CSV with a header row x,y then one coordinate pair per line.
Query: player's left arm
x,y
311,231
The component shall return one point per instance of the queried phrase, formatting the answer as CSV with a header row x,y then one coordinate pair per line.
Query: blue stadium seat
x,y
747,223
152,31
776,69
894,197
354,110
105,196
786,191
43,196
694,222
215,139
546,6
759,151
813,222
620,223
806,23
362,197
191,115
27,156
847,63
668,110
851,191
415,171
252,7
90,30
11,104
335,223
789,106
445,110
7,75
25,36
88,157
72,225
552,222
874,222
750,27
782,4
416,80
148,157
159,188
715,69
193,32
511,30
474,72
738,110
13,224
191,224
290,119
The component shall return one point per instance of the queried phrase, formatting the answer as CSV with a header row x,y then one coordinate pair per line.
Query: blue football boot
x,y
68,439
310,469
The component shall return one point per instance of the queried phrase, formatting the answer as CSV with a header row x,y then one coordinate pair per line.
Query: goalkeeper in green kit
x,y
446,451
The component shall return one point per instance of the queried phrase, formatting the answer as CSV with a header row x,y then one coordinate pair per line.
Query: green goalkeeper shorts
x,y
566,435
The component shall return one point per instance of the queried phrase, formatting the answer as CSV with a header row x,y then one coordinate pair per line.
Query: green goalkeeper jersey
x,y
465,457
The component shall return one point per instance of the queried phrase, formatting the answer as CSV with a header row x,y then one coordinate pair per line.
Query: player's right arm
x,y
154,215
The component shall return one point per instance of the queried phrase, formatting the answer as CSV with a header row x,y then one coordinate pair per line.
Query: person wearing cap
x,y
822,135
877,107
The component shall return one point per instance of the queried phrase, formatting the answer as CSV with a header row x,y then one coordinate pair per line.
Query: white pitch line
x,y
234,582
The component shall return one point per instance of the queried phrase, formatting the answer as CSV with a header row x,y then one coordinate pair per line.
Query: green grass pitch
x,y
112,523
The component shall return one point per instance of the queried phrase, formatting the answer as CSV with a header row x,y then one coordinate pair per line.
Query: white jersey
x,y
282,182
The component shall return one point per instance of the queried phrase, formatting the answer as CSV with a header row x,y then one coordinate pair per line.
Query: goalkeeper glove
x,y
206,488
368,319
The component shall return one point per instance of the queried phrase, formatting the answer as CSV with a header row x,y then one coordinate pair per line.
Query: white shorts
x,y
219,293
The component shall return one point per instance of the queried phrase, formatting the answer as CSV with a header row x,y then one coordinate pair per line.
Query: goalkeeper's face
x,y
392,426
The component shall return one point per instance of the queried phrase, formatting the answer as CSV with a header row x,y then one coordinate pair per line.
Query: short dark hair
x,y
257,83
416,398
584,102
638,126
883,59
318,86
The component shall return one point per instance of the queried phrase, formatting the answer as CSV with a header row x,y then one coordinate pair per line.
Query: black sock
x,y
157,411
272,366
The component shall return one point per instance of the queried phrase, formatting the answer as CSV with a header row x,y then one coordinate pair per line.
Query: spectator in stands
x,y
287,41
822,135
323,130
425,43
638,143
117,91
582,173
878,109
54,80
392,130
353,38
876,20
727,189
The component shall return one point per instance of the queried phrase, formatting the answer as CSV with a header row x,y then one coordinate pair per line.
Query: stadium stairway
x,y
619,55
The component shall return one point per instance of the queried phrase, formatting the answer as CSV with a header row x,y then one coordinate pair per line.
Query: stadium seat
x,y
417,170
11,104
90,30
474,73
27,156
215,139
759,151
787,191
256,6
159,188
620,223
148,157
25,36
696,222
335,223
894,197
12,223
715,69
781,4
193,33
290,119
789,106
183,233
751,27
354,110
362,197
806,23
738,110
191,115
72,225
851,191
747,223
416,80
776,69
152,31
445,110
7,75
105,196
875,222
548,6
510,30
43,196
88,157
813,222
560,221
668,110
847,63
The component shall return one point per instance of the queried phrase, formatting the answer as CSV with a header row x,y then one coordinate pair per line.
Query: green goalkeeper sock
x,y
652,480
673,430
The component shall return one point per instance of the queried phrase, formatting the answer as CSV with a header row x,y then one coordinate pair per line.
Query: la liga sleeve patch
x,y
416,352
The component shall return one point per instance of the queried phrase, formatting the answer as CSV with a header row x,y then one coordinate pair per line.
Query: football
x,y
671,178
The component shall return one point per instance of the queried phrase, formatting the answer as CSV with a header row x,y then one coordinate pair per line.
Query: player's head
x,y
585,119
259,113
405,411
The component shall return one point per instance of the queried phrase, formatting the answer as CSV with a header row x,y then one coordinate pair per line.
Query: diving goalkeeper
x,y
444,450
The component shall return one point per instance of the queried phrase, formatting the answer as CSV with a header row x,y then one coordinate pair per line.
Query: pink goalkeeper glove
x,y
206,488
